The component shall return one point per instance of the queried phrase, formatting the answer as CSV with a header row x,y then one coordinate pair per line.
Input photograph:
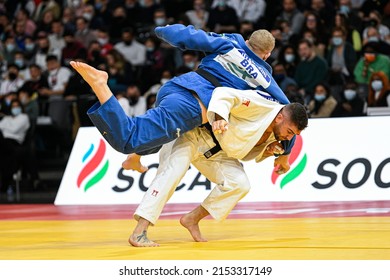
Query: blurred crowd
x,y
332,56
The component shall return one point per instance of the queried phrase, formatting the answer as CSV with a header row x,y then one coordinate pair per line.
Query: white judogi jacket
x,y
249,113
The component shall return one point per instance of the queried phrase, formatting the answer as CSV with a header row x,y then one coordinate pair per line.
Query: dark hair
x,y
298,115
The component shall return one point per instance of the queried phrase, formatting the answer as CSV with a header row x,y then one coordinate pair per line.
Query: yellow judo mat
x,y
340,238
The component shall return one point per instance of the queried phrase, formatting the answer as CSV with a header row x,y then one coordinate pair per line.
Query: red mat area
x,y
243,210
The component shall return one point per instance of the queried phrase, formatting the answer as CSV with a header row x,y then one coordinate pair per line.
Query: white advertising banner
x,y
337,159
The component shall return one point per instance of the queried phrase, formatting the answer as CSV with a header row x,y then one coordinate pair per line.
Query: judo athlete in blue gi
x,y
182,102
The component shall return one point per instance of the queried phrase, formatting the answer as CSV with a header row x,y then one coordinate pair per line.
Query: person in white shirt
x,y
13,130
247,125
132,102
133,51
12,81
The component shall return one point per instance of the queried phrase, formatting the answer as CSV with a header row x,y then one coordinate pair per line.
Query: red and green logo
x,y
297,170
93,160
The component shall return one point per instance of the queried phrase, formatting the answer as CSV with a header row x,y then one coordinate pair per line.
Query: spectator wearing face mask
x,y
12,82
371,62
375,20
378,90
323,103
341,58
289,58
13,130
132,50
351,104
132,102
373,36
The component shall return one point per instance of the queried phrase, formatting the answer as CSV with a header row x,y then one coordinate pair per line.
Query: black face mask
x,y
12,76
127,42
133,100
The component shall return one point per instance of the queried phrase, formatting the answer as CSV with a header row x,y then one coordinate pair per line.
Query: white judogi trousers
x,y
232,183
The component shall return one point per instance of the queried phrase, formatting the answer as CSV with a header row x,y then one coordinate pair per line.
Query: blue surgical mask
x,y
372,39
10,47
319,97
16,111
377,85
344,9
29,47
337,41
349,94
19,62
190,65
160,21
150,49
289,57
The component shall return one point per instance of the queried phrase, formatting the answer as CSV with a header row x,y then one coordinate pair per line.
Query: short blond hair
x,y
262,40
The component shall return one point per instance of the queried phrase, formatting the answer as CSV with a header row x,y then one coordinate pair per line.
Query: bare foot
x,y
193,227
133,162
141,240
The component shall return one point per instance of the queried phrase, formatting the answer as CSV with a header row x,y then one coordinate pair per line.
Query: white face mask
x,y
289,57
377,85
349,94
102,41
164,80
16,111
319,97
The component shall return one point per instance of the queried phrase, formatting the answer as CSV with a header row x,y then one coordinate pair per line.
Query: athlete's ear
x,y
279,117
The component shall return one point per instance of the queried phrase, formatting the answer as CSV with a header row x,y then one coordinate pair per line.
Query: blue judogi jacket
x,y
228,59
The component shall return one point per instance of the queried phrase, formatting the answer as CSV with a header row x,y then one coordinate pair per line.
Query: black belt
x,y
209,77
214,149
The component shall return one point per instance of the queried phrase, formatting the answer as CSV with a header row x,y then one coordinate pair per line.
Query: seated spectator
x,y
292,17
58,110
44,6
352,34
23,15
371,62
132,50
289,58
12,81
36,82
281,77
132,102
103,38
44,49
248,10
311,70
13,130
20,61
94,55
199,15
73,48
83,34
314,24
9,48
341,58
5,105
30,50
378,90
350,104
375,20
56,36
323,103
120,73
374,36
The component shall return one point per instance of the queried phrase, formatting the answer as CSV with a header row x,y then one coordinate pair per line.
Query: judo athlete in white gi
x,y
250,125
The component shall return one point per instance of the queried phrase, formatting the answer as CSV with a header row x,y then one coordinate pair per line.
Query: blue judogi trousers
x,y
177,111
